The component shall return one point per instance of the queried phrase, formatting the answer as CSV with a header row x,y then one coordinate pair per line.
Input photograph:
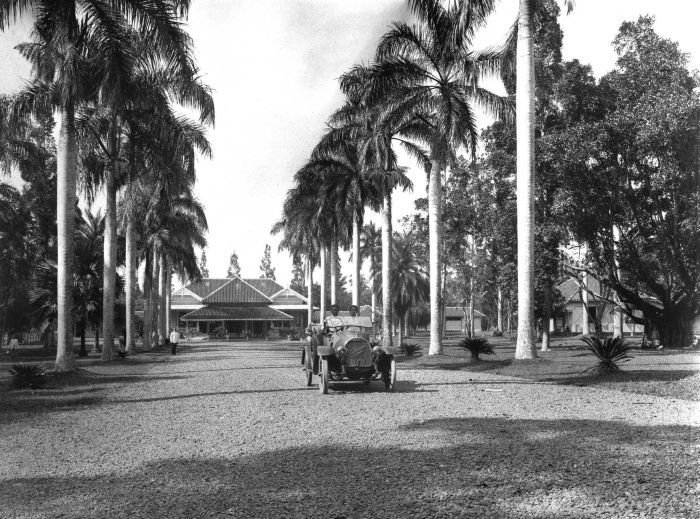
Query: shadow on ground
x,y
489,467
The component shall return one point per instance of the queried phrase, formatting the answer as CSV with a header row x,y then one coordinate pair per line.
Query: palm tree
x,y
409,279
525,162
430,68
370,246
80,54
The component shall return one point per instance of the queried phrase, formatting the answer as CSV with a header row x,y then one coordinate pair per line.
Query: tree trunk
x,y
334,271
618,316
309,293
96,346
676,326
168,289
130,286
525,133
66,162
110,247
322,304
155,279
434,228
148,303
162,282
83,349
499,310
585,328
402,321
547,313
371,289
356,260
387,342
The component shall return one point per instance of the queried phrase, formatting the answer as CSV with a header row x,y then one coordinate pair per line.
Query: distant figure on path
x,y
174,339
14,344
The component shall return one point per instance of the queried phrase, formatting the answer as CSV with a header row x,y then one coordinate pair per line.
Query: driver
x,y
333,323
353,310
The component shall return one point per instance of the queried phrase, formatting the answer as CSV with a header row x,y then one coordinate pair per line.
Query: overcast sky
x,y
274,66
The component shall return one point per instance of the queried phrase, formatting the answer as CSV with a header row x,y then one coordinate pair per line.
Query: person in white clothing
x,y
174,339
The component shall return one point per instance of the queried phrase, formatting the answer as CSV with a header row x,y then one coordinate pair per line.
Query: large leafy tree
x,y
632,165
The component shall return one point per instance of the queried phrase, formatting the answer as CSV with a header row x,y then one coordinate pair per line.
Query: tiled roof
x,y
269,287
183,299
569,290
206,286
236,292
458,311
237,313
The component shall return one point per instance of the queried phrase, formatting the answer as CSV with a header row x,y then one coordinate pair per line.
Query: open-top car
x,y
344,349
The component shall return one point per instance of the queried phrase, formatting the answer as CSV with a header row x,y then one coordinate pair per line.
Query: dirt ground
x,y
230,430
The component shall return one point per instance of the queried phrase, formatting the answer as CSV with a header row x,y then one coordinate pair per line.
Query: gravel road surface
x,y
230,430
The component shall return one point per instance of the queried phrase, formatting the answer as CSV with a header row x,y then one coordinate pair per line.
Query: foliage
x,y
266,269
410,348
609,351
477,346
234,269
27,376
203,265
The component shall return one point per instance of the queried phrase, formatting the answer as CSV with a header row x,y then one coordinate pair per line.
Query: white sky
x,y
274,66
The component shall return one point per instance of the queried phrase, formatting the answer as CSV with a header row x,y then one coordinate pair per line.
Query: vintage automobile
x,y
346,350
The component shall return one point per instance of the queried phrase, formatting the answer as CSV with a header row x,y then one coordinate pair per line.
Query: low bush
x,y
609,351
32,377
477,346
497,333
409,348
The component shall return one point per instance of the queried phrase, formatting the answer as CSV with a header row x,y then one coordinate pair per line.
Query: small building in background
x,y
456,320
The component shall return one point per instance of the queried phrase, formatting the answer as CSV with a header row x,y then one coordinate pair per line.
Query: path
x,y
230,431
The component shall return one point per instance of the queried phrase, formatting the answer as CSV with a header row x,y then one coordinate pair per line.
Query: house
x,y
574,317
235,306
456,320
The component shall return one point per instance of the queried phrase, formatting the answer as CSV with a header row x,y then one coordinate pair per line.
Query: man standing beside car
x,y
174,339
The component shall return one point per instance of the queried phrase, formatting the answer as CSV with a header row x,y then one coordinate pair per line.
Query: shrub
x,y
609,351
477,346
32,377
497,333
409,348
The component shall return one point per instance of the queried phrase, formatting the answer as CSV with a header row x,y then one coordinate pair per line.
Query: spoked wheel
x,y
323,385
390,381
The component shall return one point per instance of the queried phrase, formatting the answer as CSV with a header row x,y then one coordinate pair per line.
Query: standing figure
x,y
174,339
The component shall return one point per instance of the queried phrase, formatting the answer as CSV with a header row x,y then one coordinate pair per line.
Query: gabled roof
x,y
569,290
184,299
237,313
206,286
287,296
458,311
236,291
267,286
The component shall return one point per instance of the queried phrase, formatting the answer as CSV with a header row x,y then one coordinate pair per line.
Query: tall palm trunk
x,y
371,288
356,260
402,327
168,290
499,310
334,271
148,303
110,249
309,290
435,241
322,304
66,161
386,270
162,288
155,277
130,285
585,327
525,133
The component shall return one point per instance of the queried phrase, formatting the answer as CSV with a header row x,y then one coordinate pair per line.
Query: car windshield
x,y
359,321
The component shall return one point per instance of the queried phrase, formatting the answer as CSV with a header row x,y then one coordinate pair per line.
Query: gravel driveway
x,y
229,430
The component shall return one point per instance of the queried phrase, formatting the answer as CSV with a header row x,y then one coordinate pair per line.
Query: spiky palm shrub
x,y
32,377
609,351
410,348
477,346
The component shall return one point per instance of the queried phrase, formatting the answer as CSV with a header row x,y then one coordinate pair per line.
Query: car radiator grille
x,y
358,353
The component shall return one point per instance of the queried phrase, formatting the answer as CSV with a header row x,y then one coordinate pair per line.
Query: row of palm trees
x,y
421,94
118,75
